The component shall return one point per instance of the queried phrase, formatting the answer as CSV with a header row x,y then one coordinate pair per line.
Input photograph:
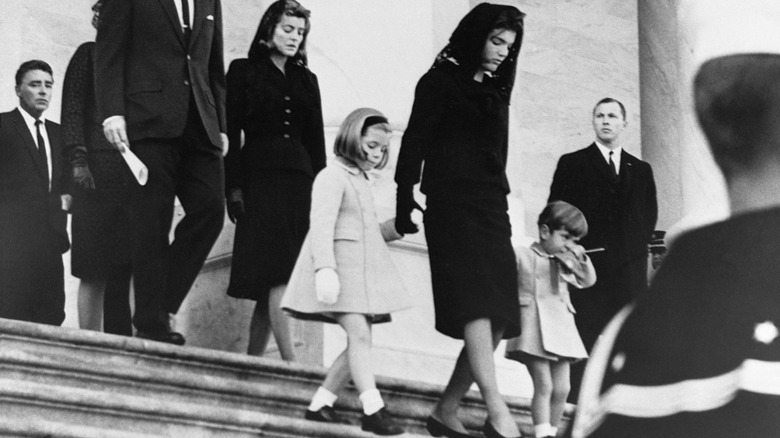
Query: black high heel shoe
x,y
491,432
437,428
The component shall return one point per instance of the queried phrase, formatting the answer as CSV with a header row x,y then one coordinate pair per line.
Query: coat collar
x,y
349,166
537,248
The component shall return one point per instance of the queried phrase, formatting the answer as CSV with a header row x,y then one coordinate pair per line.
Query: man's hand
x,y
115,130
225,143
235,205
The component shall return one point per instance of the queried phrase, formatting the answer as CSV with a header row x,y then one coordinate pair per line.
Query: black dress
x,y
458,127
101,240
281,117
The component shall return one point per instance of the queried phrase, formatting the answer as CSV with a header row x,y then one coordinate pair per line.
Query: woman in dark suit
x,y
275,100
100,254
459,128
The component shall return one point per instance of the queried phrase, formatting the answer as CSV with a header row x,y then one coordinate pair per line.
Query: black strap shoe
x,y
326,414
381,423
166,337
437,428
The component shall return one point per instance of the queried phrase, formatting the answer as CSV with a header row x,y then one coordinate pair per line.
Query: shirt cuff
x,y
112,118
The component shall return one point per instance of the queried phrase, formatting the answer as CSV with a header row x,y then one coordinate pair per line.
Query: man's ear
x,y
544,232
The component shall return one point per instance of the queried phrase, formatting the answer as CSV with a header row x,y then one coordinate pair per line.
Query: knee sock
x,y
553,431
372,401
542,430
322,398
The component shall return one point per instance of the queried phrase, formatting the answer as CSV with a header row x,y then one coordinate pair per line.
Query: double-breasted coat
x,y
345,235
546,312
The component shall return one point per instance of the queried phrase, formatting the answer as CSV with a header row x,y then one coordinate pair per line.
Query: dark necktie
x,y
185,15
612,166
41,148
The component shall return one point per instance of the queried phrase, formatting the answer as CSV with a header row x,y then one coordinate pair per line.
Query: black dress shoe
x,y
437,428
381,423
491,432
326,415
166,337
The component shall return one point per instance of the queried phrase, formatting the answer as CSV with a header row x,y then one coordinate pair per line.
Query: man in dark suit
x,y
616,192
32,220
160,88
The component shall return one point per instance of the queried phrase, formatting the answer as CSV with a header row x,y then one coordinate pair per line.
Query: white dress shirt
x,y
615,156
30,121
191,4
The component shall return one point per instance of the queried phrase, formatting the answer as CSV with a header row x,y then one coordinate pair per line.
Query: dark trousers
x,y
190,168
32,284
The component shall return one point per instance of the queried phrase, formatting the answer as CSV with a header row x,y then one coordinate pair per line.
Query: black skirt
x,y
100,224
270,234
473,270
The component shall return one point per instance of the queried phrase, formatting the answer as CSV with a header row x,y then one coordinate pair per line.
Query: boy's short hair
x,y
738,103
559,215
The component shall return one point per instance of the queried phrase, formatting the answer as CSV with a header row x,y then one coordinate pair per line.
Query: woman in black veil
x,y
459,128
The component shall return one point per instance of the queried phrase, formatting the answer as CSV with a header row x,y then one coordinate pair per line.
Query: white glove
x,y
326,281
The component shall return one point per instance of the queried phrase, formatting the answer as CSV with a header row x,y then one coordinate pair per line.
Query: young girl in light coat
x,y
549,339
344,274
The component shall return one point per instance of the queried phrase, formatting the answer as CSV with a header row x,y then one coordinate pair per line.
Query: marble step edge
x,y
235,371
90,406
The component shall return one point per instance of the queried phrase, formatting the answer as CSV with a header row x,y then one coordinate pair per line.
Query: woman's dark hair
x,y
96,8
468,41
272,16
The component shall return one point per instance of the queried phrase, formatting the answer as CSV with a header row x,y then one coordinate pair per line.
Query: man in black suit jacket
x,y
616,192
160,88
32,220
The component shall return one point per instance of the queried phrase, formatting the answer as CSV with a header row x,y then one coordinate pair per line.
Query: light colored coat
x,y
546,312
345,235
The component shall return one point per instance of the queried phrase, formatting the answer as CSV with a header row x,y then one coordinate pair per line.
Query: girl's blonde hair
x,y
353,128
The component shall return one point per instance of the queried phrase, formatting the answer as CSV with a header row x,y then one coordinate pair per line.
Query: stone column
x,y
689,184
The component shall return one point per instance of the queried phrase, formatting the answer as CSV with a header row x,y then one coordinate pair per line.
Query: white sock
x,y
372,401
322,398
553,431
542,430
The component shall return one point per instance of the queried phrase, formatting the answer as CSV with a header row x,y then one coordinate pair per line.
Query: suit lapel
x,y
56,154
201,9
170,9
626,169
597,161
27,141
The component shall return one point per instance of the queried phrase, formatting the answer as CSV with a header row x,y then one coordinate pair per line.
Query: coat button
x,y
287,111
186,82
286,135
287,98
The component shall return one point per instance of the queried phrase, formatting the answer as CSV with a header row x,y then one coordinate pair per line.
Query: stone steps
x,y
71,383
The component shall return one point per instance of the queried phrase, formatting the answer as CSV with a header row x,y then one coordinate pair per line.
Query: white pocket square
x,y
210,17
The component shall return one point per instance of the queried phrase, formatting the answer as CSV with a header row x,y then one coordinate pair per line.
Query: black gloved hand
x,y
83,177
235,205
404,205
